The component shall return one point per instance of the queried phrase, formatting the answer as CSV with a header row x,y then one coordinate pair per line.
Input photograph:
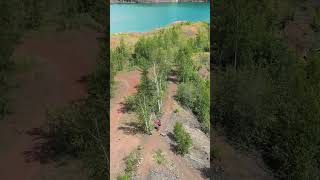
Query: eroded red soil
x,y
121,144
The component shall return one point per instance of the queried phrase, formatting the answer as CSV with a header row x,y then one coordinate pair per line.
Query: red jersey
x,y
158,122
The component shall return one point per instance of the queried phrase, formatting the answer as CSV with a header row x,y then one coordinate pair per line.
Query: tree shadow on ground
x,y
173,146
205,172
214,172
83,79
125,108
131,128
171,136
173,77
44,149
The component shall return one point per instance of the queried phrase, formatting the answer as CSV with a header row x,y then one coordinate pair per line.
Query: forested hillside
x,y
266,95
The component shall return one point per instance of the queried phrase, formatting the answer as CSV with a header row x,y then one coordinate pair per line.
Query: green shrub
x,y
183,139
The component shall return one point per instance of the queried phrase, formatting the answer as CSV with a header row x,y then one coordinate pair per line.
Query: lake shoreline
x,y
142,17
156,2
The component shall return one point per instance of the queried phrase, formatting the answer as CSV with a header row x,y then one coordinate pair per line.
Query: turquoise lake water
x,y
146,17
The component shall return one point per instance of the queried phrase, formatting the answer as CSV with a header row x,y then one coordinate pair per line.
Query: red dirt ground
x,y
121,144
61,60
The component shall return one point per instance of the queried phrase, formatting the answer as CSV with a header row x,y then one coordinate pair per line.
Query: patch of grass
x,y
131,164
159,157
176,110
125,176
132,160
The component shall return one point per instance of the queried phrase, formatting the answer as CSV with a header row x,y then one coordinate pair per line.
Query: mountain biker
x,y
157,124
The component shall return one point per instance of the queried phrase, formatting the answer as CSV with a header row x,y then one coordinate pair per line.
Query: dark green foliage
x,y
182,138
33,13
264,96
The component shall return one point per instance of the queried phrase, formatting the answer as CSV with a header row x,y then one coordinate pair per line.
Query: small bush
x,y
183,139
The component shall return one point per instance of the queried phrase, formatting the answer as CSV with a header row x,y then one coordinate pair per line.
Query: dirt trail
x,y
61,60
121,144
156,141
